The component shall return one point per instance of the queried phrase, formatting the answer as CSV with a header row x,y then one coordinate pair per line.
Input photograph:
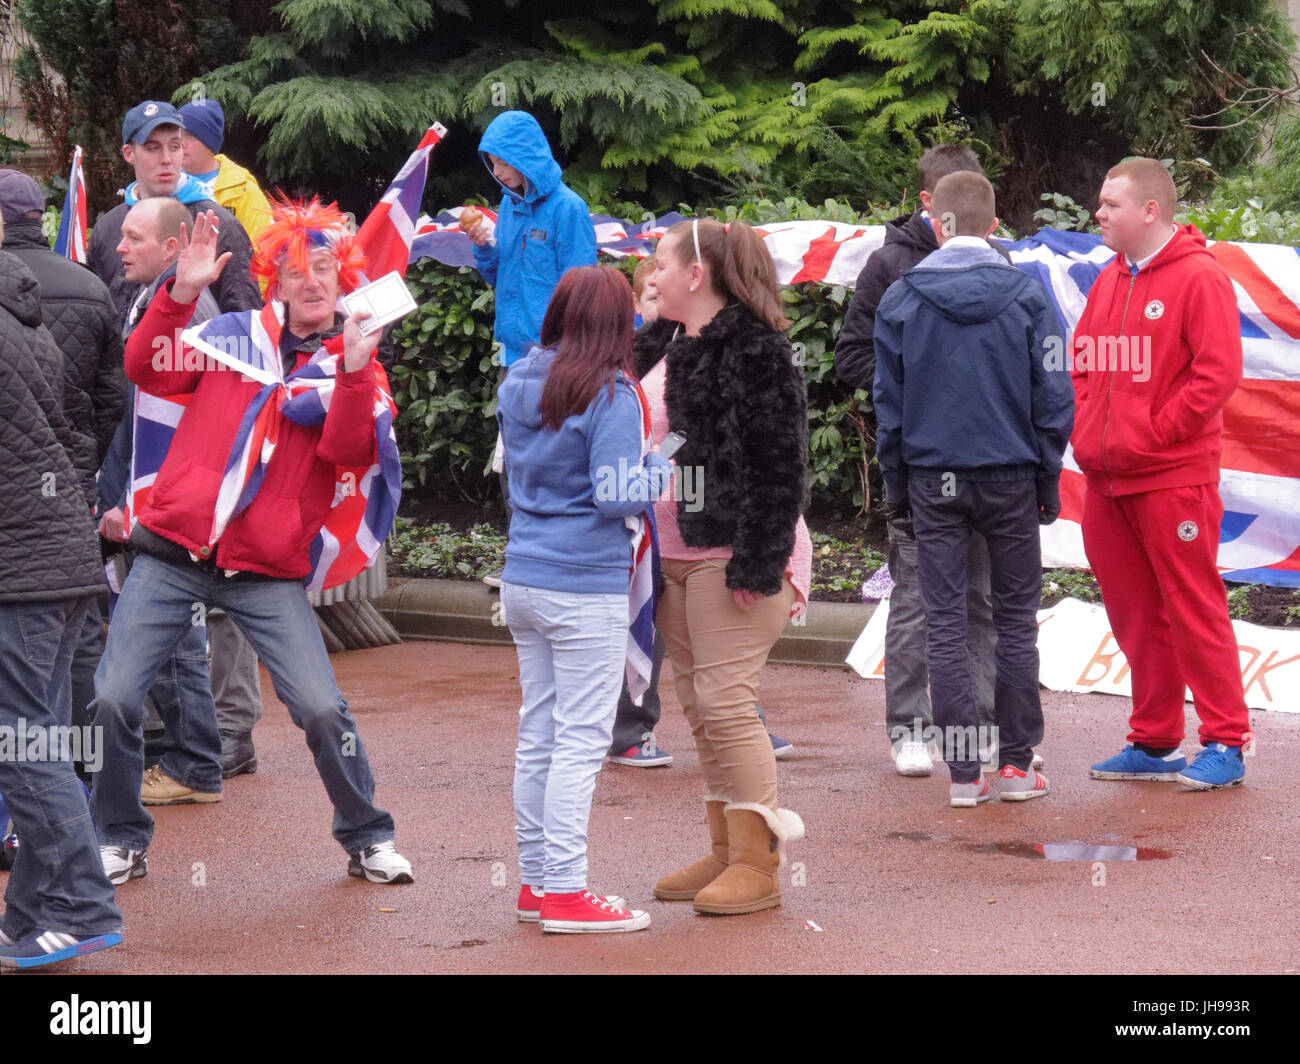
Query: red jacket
x,y
273,534
1155,357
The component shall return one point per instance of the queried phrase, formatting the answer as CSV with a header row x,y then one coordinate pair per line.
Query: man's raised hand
x,y
197,264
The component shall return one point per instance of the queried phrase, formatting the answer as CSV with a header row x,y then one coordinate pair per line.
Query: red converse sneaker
x,y
587,913
529,906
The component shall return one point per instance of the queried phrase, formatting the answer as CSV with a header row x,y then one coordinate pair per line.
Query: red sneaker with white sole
x,y
584,913
1015,785
529,906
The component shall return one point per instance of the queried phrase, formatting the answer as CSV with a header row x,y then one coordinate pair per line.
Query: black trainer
x,y
237,754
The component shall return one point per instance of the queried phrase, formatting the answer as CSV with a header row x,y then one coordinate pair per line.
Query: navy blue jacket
x,y
964,376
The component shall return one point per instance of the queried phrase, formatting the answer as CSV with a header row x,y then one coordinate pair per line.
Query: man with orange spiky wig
x,y
282,407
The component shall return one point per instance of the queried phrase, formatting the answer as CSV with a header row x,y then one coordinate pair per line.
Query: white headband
x,y
695,233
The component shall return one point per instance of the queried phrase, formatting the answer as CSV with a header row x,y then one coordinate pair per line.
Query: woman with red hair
x,y
571,418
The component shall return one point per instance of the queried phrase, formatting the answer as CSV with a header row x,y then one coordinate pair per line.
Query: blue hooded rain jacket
x,y
540,233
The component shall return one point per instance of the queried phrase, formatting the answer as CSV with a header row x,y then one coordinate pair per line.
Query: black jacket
x,y
235,288
908,239
76,308
737,396
47,543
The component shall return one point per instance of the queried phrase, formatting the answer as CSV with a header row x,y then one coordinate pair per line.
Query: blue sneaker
x,y
51,947
780,747
1215,767
645,754
1132,764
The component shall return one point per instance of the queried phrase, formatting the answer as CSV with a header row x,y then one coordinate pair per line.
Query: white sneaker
x,y
913,759
121,864
381,863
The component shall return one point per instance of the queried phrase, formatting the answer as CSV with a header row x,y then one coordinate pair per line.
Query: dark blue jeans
x,y
181,694
632,723
57,882
155,612
946,512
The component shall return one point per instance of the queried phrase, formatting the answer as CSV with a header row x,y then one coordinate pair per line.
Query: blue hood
x,y
966,284
515,137
190,190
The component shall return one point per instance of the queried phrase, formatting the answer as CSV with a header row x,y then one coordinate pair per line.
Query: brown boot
x,y
683,885
757,838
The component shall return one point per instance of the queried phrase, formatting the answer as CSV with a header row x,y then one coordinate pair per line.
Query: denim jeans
x,y
634,724
236,688
907,698
1006,513
155,611
180,699
572,648
57,882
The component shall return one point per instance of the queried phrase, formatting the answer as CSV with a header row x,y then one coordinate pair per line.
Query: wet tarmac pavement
x,y
1097,877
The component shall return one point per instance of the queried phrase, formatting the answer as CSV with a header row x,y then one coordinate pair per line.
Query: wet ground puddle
x,y
1043,851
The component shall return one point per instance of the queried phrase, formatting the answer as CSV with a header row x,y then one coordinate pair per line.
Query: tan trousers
x,y
717,651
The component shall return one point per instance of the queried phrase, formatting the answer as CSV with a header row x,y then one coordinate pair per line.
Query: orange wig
x,y
296,230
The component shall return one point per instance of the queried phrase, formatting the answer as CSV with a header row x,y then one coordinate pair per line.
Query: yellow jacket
x,y
237,190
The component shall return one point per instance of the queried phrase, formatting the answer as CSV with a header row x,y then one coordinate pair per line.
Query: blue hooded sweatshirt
x,y
540,233
571,488
964,374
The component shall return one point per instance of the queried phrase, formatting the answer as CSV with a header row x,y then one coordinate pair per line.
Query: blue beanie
x,y
207,121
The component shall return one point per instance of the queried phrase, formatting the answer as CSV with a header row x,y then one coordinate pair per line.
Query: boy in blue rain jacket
x,y
543,229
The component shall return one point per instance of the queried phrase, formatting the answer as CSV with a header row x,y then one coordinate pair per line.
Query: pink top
x,y
671,545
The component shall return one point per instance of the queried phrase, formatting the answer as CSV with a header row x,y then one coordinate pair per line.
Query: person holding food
x,y
543,229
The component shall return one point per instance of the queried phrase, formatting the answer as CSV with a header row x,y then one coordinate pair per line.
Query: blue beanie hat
x,y
207,121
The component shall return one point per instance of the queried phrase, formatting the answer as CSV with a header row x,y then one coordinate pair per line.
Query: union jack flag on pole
x,y
71,241
389,230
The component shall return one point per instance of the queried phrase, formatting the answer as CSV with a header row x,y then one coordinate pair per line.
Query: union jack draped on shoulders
x,y
365,498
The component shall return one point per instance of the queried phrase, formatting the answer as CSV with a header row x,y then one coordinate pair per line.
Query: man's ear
x,y
171,247
128,153
992,229
926,197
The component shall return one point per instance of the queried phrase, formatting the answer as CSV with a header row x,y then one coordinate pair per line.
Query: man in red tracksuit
x,y
1156,354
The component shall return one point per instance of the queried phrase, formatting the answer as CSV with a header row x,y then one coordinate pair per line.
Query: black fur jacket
x,y
737,396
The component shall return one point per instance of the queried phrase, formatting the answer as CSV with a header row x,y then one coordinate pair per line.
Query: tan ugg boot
x,y
685,883
756,842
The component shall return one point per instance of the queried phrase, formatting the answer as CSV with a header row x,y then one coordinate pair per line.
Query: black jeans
x,y
633,723
947,509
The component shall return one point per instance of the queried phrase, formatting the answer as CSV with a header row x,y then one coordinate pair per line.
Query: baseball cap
x,y
207,121
19,193
145,117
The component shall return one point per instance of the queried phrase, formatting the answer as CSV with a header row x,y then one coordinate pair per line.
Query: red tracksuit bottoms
x,y
1154,555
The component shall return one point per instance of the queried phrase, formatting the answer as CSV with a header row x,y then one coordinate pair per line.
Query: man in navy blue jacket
x,y
972,425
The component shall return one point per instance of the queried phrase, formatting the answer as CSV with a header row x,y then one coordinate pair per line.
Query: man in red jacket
x,y
1157,353
254,568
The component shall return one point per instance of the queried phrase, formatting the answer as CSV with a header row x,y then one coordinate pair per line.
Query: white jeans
x,y
572,648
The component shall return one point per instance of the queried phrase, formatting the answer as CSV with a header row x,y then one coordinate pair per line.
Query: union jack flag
x,y
71,241
644,581
1260,478
389,230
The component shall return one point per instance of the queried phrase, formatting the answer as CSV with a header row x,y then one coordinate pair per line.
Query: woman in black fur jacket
x,y
736,553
